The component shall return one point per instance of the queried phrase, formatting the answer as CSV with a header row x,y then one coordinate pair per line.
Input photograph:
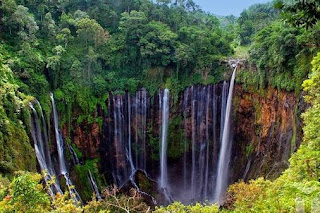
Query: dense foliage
x,y
27,194
300,13
15,148
254,19
102,46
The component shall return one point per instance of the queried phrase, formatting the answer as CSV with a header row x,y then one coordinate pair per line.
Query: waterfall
x,y
207,143
223,108
121,168
202,121
140,102
164,132
205,113
224,155
46,140
41,147
185,108
59,141
74,155
129,136
127,127
193,132
94,185
60,147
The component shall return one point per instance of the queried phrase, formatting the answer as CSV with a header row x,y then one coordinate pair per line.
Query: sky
x,y
226,7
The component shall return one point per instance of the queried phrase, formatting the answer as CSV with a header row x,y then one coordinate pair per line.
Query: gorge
x,y
200,149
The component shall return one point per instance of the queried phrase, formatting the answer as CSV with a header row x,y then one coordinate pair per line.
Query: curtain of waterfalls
x,y
200,141
127,128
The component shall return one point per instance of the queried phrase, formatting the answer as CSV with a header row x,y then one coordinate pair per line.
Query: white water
x,y
164,133
207,143
193,129
74,155
59,141
94,185
140,107
223,108
224,155
60,147
185,105
129,137
121,172
41,147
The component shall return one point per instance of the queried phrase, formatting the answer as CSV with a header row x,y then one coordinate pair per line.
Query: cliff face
x,y
266,130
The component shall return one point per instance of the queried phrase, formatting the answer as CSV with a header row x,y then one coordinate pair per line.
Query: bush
x,y
25,194
178,207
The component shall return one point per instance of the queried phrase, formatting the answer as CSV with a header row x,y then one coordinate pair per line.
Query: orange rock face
x,y
267,130
86,137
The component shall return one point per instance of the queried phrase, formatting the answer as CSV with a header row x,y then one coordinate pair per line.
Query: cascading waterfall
x,y
140,108
59,141
60,147
74,155
199,112
224,156
223,108
185,108
204,114
41,146
164,133
45,139
128,134
121,168
94,185
203,121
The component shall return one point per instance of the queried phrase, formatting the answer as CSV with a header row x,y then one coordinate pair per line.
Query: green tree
x,y
301,13
54,64
255,18
91,32
27,26
157,43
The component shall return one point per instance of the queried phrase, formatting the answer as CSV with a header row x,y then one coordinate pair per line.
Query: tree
x,y
54,64
255,18
49,26
64,36
91,32
157,43
302,13
24,22
131,25
91,59
131,28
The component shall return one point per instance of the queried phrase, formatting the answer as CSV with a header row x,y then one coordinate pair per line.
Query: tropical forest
x,y
141,106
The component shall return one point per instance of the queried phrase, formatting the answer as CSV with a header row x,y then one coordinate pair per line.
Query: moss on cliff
x,y
82,181
16,152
